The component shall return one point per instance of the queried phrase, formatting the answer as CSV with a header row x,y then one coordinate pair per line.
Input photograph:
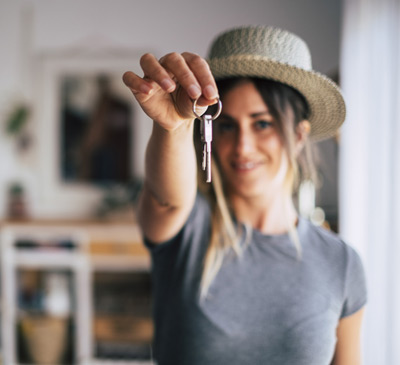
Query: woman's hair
x,y
288,108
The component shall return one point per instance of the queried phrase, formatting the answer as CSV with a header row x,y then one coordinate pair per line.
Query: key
x,y
204,162
206,137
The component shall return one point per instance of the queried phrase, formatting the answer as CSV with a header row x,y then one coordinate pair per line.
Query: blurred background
x,y
72,144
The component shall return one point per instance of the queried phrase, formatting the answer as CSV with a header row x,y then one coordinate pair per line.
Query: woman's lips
x,y
245,166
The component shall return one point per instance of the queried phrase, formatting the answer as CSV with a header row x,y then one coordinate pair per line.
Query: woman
x,y
239,277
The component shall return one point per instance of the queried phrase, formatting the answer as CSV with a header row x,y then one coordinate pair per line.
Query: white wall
x,y
30,30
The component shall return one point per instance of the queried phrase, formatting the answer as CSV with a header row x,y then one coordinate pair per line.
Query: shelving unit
x,y
105,271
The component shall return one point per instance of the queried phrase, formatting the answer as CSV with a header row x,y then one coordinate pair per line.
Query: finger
x,y
136,83
153,70
177,66
202,72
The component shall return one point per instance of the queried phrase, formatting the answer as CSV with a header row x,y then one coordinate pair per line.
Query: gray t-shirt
x,y
266,307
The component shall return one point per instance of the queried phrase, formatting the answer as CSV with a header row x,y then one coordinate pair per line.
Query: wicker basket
x,y
46,338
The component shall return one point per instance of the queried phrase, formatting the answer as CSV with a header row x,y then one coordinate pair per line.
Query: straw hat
x,y
276,54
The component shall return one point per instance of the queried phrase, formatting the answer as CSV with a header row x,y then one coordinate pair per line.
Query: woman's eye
x,y
263,124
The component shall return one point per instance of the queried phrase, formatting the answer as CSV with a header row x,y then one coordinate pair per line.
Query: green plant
x,y
16,189
17,119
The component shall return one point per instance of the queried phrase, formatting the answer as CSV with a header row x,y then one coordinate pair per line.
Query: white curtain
x,y
370,165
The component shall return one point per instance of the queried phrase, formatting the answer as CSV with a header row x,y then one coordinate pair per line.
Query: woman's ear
x,y
302,132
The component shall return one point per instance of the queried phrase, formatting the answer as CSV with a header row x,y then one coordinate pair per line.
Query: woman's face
x,y
247,144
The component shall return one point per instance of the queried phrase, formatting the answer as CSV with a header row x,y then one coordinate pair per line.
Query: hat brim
x,y
326,104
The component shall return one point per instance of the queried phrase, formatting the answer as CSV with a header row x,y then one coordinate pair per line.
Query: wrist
x,y
183,126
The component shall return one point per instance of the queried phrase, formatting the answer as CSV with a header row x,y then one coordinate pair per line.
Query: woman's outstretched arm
x,y
165,93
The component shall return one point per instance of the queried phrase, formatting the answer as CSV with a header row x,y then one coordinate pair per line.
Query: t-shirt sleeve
x,y
355,285
176,261
198,214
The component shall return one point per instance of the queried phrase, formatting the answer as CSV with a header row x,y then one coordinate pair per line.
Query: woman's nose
x,y
245,142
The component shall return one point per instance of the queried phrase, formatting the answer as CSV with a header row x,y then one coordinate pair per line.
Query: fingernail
x,y
210,92
145,89
167,85
194,91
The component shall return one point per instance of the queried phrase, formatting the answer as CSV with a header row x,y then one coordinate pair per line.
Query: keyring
x,y
215,116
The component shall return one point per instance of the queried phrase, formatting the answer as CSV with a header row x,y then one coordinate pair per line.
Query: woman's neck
x,y
271,215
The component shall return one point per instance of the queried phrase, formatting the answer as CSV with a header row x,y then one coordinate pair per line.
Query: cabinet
x,y
75,293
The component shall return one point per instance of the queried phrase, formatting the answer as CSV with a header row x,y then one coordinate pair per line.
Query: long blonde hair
x,y
288,108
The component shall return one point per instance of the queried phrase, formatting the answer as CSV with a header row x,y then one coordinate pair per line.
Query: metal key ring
x,y
215,116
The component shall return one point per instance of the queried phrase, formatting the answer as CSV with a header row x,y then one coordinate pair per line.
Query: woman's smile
x,y
245,166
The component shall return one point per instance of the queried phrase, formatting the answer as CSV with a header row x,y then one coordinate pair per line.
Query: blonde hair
x,y
288,107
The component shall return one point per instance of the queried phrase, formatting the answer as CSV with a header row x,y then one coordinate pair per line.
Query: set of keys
x,y
206,136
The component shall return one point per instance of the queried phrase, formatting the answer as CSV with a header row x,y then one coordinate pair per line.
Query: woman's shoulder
x,y
325,241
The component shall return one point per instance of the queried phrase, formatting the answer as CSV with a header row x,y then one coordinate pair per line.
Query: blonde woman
x,y
238,276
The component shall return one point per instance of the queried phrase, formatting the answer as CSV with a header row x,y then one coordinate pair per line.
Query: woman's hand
x,y
168,86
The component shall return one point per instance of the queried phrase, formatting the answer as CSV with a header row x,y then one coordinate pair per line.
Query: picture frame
x,y
58,196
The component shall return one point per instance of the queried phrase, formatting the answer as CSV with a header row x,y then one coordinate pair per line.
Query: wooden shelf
x,y
109,248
